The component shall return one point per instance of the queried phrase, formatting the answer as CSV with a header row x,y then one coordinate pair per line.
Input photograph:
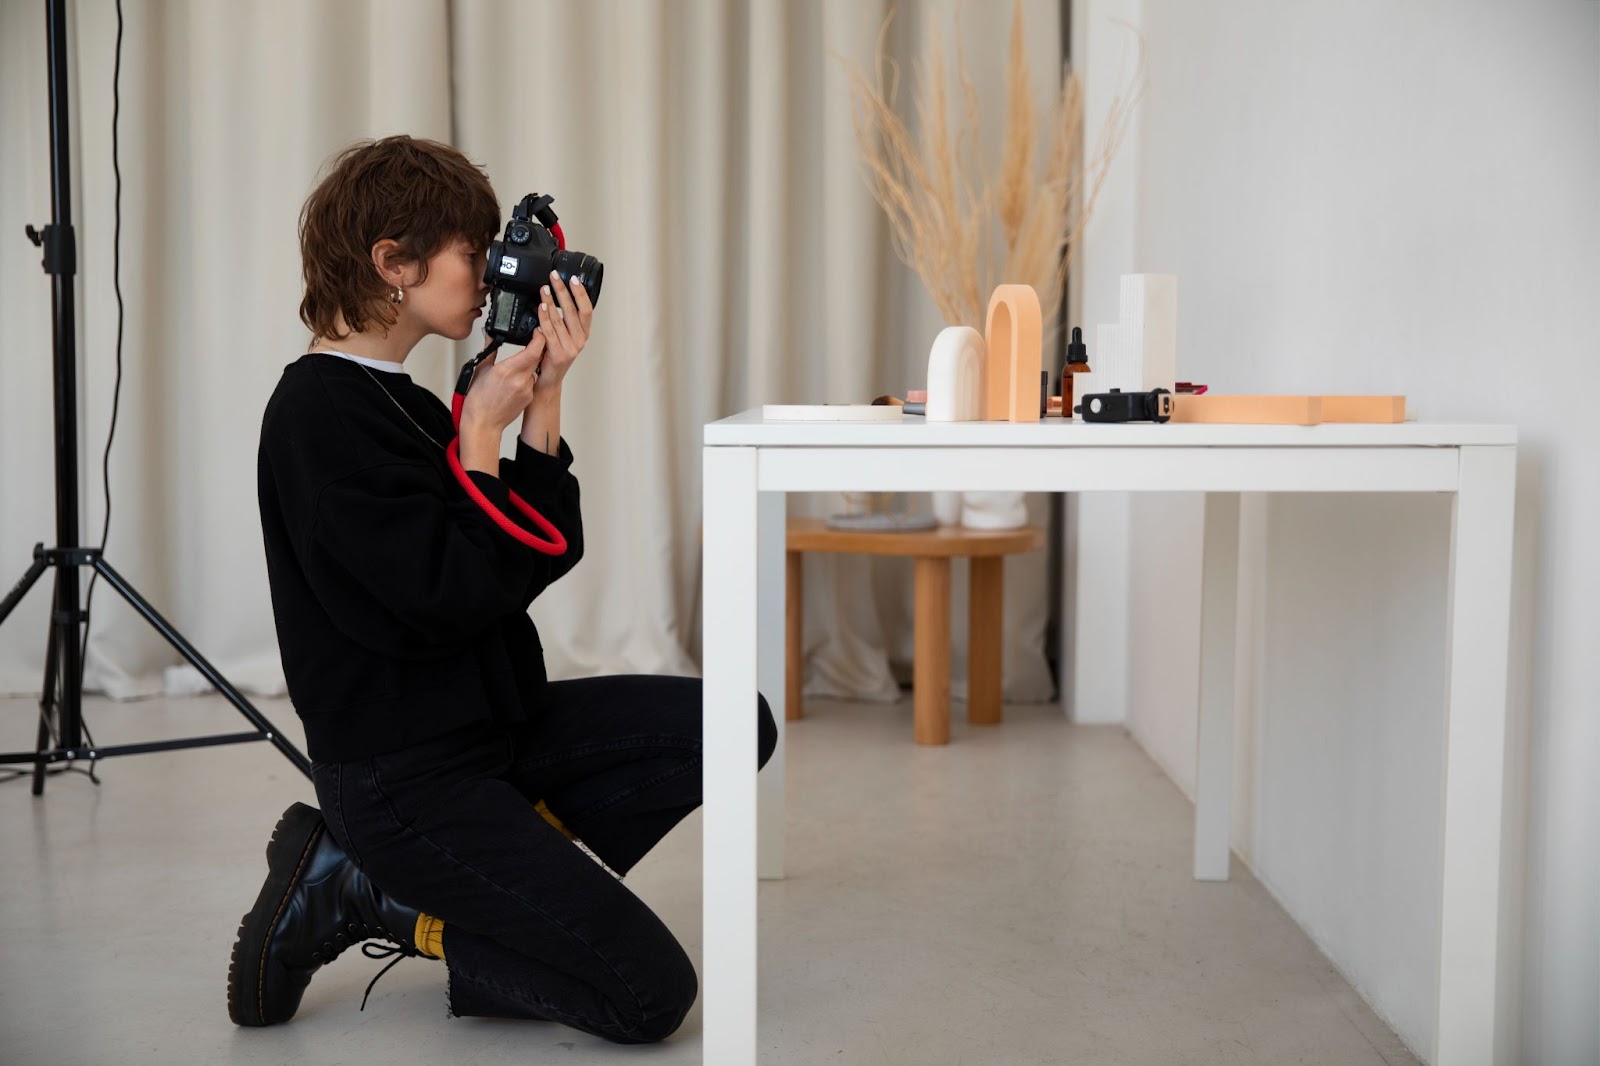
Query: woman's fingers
x,y
515,373
536,349
580,296
528,357
538,342
559,333
570,318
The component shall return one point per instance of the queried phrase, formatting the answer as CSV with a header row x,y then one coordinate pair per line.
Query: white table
x,y
749,464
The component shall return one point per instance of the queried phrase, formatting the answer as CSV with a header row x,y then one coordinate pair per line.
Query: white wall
x,y
1384,198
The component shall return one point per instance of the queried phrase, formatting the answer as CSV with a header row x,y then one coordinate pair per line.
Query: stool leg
x,y
985,627
794,637
932,673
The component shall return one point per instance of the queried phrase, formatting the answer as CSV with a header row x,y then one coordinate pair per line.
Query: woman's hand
x,y
565,315
502,389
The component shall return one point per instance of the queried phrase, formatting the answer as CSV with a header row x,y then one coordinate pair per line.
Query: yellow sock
x,y
544,812
430,936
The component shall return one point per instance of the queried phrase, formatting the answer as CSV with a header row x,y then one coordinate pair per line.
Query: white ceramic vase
x,y
980,510
993,510
947,508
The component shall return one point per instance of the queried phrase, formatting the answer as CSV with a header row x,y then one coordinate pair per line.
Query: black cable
x,y
116,390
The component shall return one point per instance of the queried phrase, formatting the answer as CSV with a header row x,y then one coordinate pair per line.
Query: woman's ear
x,y
390,261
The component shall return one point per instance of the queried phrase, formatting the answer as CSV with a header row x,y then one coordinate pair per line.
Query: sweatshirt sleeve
x,y
407,565
547,483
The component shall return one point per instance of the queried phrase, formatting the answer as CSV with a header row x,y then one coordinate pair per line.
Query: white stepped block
x,y
1106,360
1147,333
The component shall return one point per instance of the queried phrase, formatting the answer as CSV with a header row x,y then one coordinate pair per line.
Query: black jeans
x,y
534,928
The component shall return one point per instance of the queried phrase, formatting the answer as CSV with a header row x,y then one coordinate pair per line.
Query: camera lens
x,y
518,233
589,271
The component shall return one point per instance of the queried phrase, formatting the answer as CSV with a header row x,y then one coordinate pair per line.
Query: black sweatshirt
x,y
401,608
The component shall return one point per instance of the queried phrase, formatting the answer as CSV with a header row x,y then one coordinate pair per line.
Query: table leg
x,y
985,639
1479,629
729,576
774,604
1219,597
931,676
795,636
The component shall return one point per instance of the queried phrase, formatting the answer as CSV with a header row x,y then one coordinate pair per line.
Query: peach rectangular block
x,y
1363,408
1251,410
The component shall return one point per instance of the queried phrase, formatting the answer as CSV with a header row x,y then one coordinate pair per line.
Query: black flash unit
x,y
1119,406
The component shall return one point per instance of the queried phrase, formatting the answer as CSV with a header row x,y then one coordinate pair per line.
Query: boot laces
x,y
393,952
360,932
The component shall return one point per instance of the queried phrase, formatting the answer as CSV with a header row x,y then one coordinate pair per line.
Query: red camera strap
x,y
557,544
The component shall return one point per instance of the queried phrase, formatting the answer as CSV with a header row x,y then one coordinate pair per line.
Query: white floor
x,y
1019,897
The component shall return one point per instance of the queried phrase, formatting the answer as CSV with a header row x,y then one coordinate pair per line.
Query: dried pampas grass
x,y
943,207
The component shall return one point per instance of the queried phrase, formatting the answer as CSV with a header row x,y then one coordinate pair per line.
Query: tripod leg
x,y
48,700
25,582
38,764
199,662
67,625
47,710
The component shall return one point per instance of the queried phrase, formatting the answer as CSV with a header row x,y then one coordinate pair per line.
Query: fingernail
x,y
545,290
555,276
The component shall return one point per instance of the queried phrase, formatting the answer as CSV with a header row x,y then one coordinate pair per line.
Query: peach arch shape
x,y
1015,355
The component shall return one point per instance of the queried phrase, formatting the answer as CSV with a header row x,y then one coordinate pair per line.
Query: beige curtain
x,y
702,148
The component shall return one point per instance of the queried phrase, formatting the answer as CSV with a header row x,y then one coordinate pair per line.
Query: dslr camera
x,y
520,263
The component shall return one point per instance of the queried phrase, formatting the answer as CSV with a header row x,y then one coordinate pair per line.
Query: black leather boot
x,y
314,904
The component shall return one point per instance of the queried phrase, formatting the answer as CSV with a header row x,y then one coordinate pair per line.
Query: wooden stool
x,y
933,549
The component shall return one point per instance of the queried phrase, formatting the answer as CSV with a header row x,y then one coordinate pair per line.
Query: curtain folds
x,y
702,148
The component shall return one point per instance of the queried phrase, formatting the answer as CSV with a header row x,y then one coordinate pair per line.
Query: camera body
x,y
520,263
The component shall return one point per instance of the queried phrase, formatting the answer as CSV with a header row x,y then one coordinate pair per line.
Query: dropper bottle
x,y
1077,363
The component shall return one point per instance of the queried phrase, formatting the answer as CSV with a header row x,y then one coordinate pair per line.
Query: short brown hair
x,y
420,193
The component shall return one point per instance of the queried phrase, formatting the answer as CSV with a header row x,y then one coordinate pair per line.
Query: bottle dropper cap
x,y
1076,352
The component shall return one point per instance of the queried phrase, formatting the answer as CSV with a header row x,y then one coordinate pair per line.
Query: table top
x,y
749,429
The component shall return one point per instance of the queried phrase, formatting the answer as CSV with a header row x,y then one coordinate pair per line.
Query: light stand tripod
x,y
63,658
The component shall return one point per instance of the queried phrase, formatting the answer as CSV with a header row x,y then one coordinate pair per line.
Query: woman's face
x,y
450,302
